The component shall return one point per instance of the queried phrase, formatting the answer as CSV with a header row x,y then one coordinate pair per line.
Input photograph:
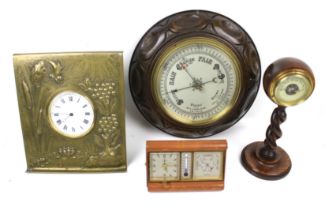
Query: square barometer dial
x,y
208,165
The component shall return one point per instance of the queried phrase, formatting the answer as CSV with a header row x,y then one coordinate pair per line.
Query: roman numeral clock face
x,y
71,114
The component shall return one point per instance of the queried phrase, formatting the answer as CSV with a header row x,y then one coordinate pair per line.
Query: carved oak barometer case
x,y
194,74
71,108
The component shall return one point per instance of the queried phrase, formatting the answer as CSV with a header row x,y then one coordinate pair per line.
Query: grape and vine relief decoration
x,y
39,78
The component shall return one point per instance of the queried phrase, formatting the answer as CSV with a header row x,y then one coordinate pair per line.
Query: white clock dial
x,y
164,166
208,165
71,114
198,83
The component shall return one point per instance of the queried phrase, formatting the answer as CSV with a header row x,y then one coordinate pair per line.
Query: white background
x,y
278,28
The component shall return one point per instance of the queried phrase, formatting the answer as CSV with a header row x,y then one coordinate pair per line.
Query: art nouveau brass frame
x,y
99,77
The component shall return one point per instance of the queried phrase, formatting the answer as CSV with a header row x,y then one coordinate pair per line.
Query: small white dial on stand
x,y
292,89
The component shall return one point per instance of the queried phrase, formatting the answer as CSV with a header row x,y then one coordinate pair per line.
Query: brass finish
x,y
172,49
96,75
281,77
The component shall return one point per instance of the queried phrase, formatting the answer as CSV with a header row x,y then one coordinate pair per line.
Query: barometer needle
x,y
193,85
184,66
188,73
213,80
176,90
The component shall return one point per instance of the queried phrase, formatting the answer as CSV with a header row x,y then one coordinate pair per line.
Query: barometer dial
x,y
194,74
197,81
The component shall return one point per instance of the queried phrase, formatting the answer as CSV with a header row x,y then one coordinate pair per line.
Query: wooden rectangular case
x,y
186,146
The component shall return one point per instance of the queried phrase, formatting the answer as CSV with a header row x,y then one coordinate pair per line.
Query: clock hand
x,y
164,165
60,113
65,119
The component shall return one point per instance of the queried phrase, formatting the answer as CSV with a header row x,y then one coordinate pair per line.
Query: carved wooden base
x,y
263,168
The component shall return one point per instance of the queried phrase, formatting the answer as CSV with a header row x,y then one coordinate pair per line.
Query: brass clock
x,y
194,74
72,110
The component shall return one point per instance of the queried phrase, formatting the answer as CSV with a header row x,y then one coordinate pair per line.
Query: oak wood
x,y
179,26
185,186
265,159
186,145
269,169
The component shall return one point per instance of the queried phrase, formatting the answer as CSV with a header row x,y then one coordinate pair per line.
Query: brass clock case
x,y
96,76
183,29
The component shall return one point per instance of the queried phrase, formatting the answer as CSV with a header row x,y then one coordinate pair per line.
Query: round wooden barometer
x,y
194,74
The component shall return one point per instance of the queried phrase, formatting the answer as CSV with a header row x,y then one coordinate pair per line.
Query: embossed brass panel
x,y
97,76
